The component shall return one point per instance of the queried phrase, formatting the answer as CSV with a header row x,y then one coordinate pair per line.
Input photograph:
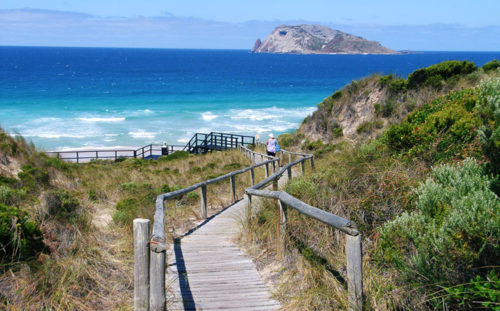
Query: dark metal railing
x,y
80,156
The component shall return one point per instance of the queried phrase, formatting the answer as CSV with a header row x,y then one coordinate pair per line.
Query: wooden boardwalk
x,y
207,271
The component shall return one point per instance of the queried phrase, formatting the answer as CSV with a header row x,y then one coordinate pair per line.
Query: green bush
x,y
452,236
32,177
315,145
176,155
489,133
92,195
336,95
10,196
126,211
231,166
63,204
386,80
397,86
20,237
490,66
438,131
435,74
369,126
386,109
478,293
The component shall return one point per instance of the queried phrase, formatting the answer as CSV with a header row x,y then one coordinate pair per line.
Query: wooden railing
x,y
81,156
150,256
201,142
149,262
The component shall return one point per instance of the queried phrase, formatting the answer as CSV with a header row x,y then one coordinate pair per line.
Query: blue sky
x,y
415,25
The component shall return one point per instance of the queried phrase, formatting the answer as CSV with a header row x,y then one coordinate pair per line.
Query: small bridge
x,y
199,143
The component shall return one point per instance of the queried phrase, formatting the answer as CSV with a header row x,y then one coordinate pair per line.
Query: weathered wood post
x,y
249,208
312,163
267,170
232,184
141,264
354,272
203,201
289,171
303,166
261,158
77,158
278,223
274,166
252,176
282,222
157,245
289,158
157,280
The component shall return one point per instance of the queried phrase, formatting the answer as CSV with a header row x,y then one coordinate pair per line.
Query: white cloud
x,y
58,28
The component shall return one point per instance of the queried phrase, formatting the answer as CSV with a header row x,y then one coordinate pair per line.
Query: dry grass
x,y
90,263
361,184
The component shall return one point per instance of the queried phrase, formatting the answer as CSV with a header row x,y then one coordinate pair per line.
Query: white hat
x,y
271,135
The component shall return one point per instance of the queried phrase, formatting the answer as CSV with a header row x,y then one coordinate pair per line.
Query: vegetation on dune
x,y
423,192
65,228
424,196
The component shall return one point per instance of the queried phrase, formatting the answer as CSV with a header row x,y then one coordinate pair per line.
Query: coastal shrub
x,y
92,195
193,197
232,166
435,74
337,94
126,211
489,133
8,181
385,80
176,155
62,203
492,65
445,128
369,126
315,145
480,292
11,196
386,109
452,236
33,177
54,162
288,140
397,86
20,236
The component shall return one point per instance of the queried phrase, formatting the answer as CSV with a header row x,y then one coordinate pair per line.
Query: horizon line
x,y
230,49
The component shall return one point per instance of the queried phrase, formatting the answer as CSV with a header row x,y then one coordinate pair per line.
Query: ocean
x,y
72,98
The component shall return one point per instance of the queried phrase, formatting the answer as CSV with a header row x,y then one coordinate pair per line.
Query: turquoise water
x,y
67,98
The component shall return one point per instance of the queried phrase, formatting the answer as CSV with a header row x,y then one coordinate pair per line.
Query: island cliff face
x,y
316,39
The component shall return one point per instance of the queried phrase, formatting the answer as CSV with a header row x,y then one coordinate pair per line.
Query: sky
x,y
439,25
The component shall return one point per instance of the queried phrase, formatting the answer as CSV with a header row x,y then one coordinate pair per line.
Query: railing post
x,y
116,155
151,150
249,208
232,184
203,202
289,171
77,158
157,281
143,152
274,166
252,176
135,154
141,264
267,170
303,166
282,224
278,223
97,155
354,272
289,158
312,163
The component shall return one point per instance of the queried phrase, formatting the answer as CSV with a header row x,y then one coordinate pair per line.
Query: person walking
x,y
271,145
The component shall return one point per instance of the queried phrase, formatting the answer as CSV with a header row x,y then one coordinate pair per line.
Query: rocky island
x,y
316,39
